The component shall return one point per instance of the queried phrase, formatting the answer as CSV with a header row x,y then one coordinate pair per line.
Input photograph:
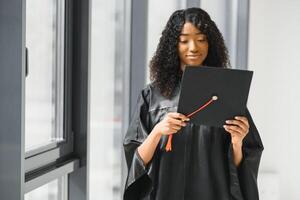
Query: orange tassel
x,y
169,143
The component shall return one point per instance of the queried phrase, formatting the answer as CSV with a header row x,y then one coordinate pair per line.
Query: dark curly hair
x,y
165,71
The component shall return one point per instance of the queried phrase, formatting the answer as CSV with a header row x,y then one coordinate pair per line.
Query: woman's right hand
x,y
171,123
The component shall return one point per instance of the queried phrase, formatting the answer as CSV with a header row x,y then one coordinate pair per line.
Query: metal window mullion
x,y
60,69
231,30
139,23
126,80
237,24
242,34
80,60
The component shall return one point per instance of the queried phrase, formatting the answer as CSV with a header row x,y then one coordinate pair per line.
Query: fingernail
x,y
224,126
188,119
236,117
227,121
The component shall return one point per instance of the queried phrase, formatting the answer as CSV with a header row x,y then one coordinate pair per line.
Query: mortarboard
x,y
211,95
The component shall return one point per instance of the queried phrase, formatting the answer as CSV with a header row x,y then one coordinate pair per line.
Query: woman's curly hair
x,y
165,71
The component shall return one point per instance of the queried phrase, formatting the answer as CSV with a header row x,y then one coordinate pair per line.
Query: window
x,y
107,95
47,86
54,94
48,138
54,190
44,92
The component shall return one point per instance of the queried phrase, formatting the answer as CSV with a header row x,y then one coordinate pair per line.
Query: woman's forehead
x,y
190,29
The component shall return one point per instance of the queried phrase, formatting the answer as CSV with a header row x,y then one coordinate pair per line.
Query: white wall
x,y
275,92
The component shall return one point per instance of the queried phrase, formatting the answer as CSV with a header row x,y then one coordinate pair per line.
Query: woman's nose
x,y
193,47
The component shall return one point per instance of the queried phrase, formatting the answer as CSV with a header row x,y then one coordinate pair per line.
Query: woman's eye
x,y
201,40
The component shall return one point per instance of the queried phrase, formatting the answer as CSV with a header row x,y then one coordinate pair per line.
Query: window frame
x,y
58,82
50,152
55,160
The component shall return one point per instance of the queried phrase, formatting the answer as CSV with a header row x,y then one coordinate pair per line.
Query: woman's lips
x,y
193,56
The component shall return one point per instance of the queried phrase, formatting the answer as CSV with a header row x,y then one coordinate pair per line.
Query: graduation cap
x,y
211,95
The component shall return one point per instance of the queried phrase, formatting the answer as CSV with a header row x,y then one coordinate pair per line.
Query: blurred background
x,y
262,36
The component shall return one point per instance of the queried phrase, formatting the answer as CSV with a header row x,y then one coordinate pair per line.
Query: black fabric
x,y
200,165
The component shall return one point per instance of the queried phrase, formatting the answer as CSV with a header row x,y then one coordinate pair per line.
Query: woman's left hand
x,y
238,128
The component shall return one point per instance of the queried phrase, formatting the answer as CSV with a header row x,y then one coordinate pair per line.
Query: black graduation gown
x,y
200,165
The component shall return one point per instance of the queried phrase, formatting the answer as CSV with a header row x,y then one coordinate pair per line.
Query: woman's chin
x,y
194,64
190,65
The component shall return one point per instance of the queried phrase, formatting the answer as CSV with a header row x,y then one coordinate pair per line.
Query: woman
x,y
206,163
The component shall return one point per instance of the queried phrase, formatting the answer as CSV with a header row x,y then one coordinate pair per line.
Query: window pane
x,y
55,190
44,82
106,101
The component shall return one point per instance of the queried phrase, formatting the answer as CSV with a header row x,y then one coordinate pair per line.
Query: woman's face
x,y
192,46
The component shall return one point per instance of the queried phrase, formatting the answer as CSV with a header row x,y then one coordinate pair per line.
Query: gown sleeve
x,y
138,183
243,179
